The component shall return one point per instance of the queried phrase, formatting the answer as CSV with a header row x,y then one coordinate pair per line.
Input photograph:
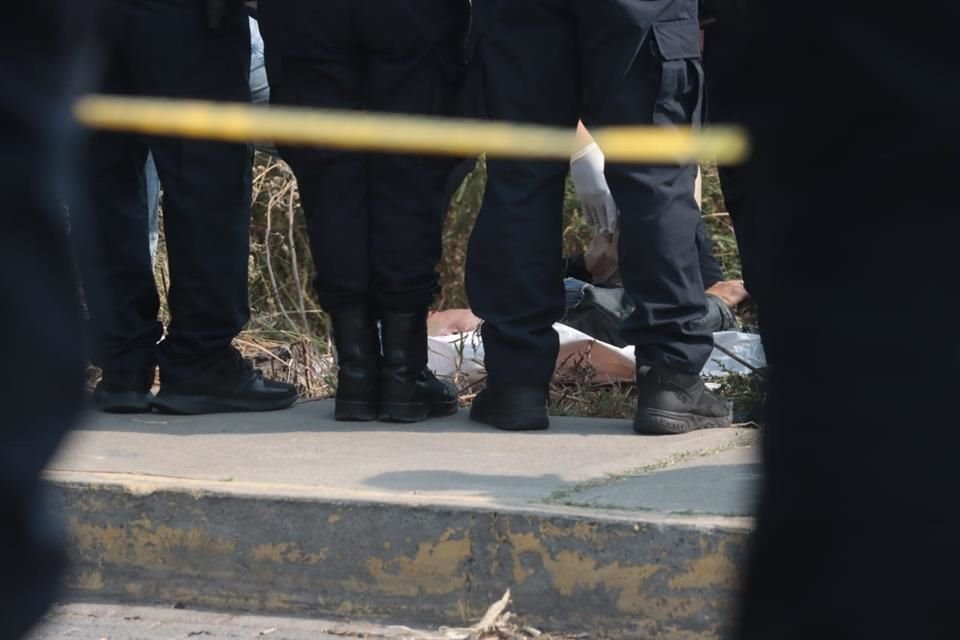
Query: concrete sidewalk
x,y
125,622
290,513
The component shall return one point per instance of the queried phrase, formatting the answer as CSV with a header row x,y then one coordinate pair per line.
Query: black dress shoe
x,y
511,408
409,392
126,390
117,398
229,384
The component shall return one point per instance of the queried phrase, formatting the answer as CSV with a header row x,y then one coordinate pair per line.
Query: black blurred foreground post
x,y
857,132
41,371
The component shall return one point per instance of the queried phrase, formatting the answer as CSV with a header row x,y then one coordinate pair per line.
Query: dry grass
x,y
498,623
573,392
281,268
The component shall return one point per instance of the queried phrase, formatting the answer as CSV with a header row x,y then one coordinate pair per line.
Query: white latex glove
x,y
599,207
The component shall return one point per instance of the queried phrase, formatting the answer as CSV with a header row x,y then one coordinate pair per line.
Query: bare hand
x,y
732,292
452,322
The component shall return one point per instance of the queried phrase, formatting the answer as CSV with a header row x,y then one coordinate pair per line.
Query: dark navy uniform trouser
x,y
42,378
855,136
725,61
169,48
374,220
552,62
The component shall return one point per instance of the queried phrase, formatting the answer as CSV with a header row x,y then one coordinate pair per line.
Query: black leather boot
x,y
358,358
409,392
672,402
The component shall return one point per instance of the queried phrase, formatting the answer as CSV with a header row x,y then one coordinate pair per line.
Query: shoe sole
x,y
653,422
125,402
512,422
410,412
199,405
353,411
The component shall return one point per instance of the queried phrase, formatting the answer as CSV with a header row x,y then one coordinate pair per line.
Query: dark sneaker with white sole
x,y
228,385
671,402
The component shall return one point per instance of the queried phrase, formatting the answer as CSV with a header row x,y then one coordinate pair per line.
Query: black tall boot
x,y
409,392
358,357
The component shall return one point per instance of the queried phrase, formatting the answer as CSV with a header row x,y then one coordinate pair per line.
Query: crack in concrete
x,y
565,496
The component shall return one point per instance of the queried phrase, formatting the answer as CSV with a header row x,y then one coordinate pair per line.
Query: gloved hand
x,y
599,207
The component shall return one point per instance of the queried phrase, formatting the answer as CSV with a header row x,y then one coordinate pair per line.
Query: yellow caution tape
x,y
380,132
